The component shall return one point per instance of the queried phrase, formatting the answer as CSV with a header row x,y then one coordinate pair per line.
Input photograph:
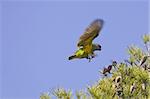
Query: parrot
x,y
82,54
85,45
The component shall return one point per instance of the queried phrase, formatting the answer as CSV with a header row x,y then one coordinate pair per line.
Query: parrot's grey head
x,y
96,47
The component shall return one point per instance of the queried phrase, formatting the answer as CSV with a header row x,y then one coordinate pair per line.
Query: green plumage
x,y
81,54
85,43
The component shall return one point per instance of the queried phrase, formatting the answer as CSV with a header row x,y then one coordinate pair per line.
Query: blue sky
x,y
38,37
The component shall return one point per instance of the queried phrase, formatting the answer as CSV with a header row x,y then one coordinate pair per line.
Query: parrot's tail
x,y
72,57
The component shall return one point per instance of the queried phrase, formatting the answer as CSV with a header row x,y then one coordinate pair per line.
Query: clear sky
x,y
38,37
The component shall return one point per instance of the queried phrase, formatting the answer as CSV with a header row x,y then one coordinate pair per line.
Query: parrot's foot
x,y
90,57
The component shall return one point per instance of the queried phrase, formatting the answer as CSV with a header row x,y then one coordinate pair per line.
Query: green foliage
x,y
61,93
129,79
45,96
146,38
102,89
82,95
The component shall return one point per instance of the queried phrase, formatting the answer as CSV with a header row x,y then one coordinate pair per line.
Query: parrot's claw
x,y
91,56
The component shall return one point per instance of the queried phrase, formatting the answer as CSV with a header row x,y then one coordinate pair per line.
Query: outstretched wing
x,y
90,33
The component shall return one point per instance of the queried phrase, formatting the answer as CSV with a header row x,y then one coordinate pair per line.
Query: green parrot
x,y
80,53
85,46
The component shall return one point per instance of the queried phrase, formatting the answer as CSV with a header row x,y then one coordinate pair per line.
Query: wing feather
x,y
90,33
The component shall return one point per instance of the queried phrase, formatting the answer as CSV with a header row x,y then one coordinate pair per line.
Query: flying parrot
x,y
85,46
